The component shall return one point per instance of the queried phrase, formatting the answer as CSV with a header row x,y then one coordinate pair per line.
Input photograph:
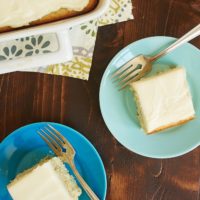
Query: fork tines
x,y
56,141
127,73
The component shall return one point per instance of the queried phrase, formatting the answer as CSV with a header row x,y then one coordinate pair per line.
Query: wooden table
x,y
33,97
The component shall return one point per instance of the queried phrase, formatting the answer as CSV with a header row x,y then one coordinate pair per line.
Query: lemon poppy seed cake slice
x,y
163,100
48,180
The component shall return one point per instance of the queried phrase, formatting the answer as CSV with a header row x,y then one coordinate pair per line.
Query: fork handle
x,y
185,38
85,186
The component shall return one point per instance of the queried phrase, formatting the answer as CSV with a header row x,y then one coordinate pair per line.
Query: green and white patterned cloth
x,y
83,39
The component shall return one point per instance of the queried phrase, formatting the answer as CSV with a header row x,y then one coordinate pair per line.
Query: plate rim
x,y
151,155
75,132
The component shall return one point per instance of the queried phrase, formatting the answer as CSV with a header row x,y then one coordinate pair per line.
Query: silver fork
x,y
63,149
139,66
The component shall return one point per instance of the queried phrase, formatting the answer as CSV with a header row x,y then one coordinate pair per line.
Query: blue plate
x,y
119,111
24,148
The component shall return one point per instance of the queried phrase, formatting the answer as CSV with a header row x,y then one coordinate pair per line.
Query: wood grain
x,y
32,97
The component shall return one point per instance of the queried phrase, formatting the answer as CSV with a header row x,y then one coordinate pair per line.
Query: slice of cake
x,y
48,180
163,100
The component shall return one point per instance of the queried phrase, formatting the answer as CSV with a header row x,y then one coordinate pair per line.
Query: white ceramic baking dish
x,y
61,27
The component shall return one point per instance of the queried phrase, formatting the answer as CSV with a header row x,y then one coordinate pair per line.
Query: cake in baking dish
x,y
48,180
163,100
20,13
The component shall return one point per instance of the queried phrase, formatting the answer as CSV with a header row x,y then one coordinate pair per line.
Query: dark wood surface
x,y
33,97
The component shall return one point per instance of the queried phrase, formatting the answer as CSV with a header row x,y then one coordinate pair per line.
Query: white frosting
x,y
16,13
42,183
164,99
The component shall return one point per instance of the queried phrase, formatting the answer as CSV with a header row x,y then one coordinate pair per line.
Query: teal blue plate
x,y
24,148
119,111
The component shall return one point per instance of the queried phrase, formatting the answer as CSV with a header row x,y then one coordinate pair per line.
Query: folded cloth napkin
x,y
82,37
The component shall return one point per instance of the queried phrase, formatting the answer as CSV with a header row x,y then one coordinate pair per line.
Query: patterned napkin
x,y
82,37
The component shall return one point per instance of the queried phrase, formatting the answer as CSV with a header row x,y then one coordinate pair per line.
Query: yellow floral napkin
x,y
83,39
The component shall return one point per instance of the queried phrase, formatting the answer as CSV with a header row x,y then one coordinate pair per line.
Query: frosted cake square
x,y
49,180
163,100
